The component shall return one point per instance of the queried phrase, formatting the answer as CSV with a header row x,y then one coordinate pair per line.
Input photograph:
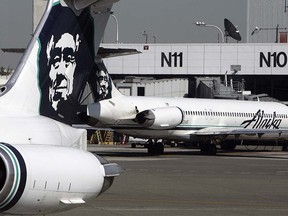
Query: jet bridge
x,y
214,87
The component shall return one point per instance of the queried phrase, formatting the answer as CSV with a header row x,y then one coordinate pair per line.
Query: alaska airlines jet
x,y
44,165
204,121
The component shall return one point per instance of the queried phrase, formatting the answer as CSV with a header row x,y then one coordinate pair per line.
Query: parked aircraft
x,y
204,121
44,167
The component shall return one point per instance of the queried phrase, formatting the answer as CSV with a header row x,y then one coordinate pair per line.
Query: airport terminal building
x,y
260,64
259,61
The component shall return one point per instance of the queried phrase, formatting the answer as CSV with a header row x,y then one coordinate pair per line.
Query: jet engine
x,y
160,118
43,179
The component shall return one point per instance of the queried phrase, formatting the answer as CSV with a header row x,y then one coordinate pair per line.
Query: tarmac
x,y
183,182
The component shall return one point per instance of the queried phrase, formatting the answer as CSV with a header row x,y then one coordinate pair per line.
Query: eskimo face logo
x,y
61,59
103,83
259,121
66,60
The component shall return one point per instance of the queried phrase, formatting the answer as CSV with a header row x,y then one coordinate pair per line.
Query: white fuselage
x,y
198,114
25,128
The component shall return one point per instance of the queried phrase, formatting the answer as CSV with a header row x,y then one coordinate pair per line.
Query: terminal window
x,y
141,91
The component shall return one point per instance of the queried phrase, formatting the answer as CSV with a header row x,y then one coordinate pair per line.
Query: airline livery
x,y
44,165
204,121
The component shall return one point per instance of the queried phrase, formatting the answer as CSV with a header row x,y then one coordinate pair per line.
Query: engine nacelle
x,y
39,179
160,118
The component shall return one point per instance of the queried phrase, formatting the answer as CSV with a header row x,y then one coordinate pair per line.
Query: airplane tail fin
x,y
59,59
101,84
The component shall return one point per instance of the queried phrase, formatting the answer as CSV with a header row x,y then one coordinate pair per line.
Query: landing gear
x,y
285,147
208,149
155,148
228,145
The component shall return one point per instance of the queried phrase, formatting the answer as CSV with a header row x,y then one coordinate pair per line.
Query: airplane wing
x,y
221,131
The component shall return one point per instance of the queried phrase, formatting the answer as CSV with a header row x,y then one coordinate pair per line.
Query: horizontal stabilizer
x,y
13,50
79,5
109,52
102,52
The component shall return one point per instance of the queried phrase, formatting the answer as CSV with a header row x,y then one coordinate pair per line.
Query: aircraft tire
x,y
228,146
285,147
160,148
212,149
208,149
156,149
